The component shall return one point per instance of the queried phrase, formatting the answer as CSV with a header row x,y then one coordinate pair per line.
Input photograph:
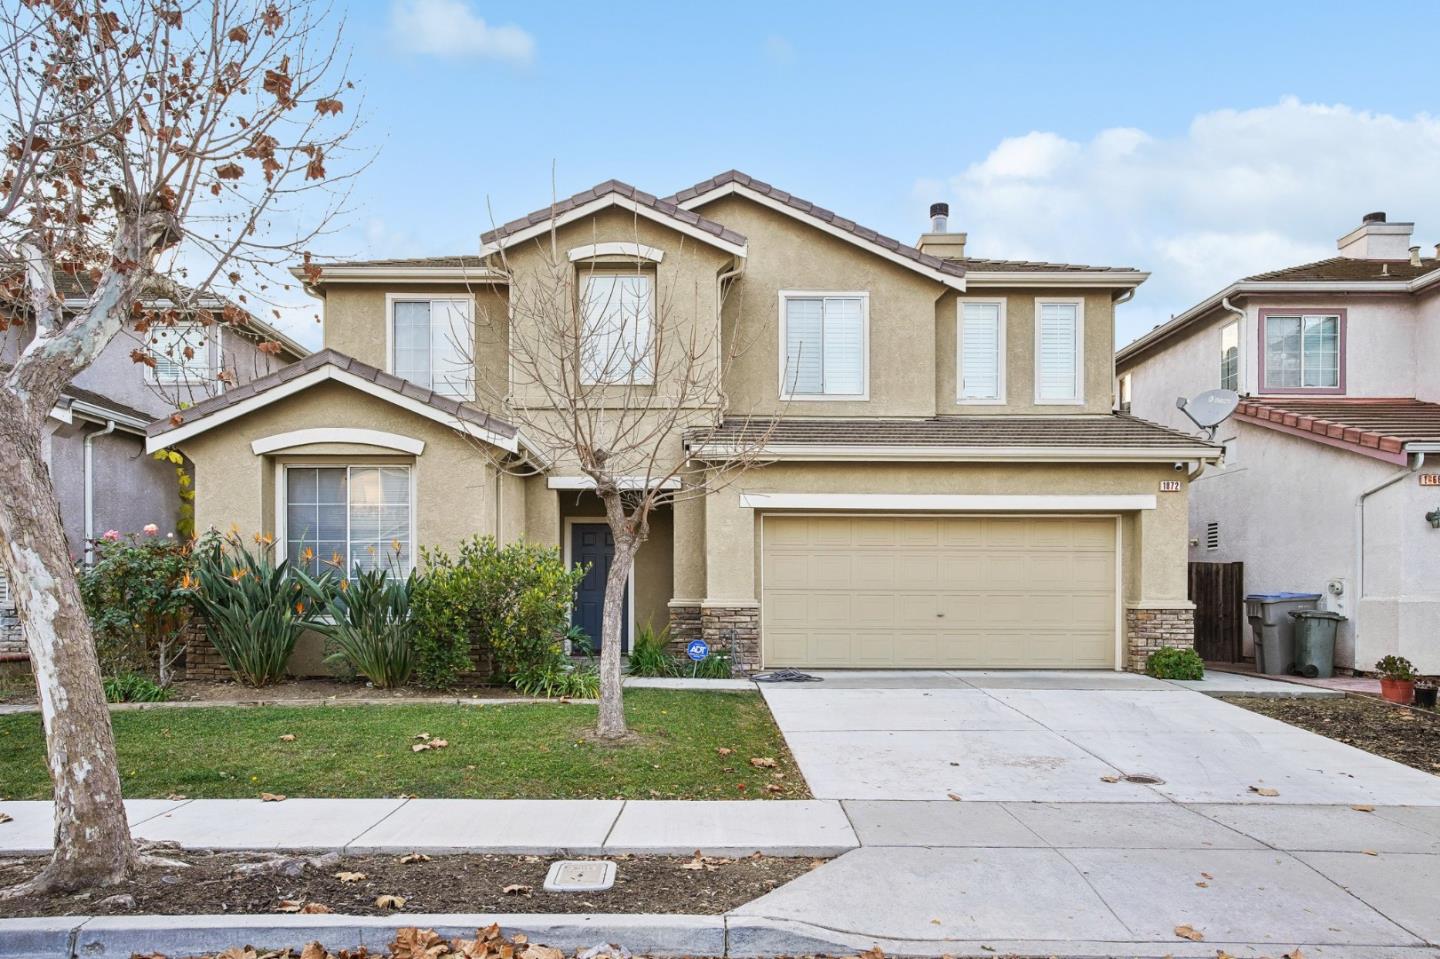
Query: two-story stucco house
x,y
943,483
1329,460
94,439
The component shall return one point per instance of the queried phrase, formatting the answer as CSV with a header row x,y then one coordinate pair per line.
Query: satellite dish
x,y
1210,409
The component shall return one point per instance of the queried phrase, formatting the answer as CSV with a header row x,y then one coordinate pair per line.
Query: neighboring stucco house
x,y
1332,458
944,482
94,440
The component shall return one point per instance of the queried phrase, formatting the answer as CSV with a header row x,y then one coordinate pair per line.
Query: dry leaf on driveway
x,y
388,901
6,817
1264,791
1363,807
1189,932
955,797
272,797
1109,779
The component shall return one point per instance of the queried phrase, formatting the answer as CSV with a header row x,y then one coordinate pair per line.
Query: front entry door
x,y
591,544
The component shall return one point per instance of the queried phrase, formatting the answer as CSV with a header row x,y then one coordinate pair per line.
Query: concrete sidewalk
x,y
511,826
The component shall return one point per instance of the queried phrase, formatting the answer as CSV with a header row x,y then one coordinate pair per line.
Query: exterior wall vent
x,y
1212,535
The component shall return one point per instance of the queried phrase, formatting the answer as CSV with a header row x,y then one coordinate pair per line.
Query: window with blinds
x,y
1302,351
618,312
181,353
1059,366
825,341
431,344
338,518
981,359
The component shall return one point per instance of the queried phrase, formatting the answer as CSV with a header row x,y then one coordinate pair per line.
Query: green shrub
x,y
648,655
368,621
1170,663
715,666
254,610
134,688
137,593
558,678
1395,667
512,601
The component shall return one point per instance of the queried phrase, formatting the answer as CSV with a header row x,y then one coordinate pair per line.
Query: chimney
x,y
1377,239
940,241
1414,256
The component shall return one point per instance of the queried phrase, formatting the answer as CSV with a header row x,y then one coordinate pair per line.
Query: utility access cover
x,y
578,875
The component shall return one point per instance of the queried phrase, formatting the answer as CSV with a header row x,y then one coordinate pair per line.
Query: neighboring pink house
x,y
1326,481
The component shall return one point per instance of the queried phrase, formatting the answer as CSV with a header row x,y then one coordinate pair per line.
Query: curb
x,y
119,937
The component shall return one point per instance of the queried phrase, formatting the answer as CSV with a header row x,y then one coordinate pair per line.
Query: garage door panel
x,y
856,591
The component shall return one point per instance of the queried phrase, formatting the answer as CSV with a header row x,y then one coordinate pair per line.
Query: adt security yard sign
x,y
697,650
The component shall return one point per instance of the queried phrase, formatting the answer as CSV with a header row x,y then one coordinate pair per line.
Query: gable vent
x,y
1212,535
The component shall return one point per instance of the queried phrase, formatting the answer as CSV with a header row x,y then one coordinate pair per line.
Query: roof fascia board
x,y
99,414
185,431
1032,454
1105,279
956,282
949,502
601,203
624,482
406,274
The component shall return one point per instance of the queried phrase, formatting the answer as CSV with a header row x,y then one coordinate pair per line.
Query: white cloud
x,y
1238,192
450,28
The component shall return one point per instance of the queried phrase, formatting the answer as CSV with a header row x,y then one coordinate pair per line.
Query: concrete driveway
x,y
1056,736
1042,855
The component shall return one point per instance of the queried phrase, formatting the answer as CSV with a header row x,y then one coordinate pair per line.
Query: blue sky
x,y
1200,142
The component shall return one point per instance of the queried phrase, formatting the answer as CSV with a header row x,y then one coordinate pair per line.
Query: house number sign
x,y
1430,479
1169,486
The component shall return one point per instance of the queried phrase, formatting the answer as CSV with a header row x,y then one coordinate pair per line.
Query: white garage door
x,y
938,591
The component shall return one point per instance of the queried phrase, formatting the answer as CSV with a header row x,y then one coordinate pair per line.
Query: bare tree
x,y
607,370
149,148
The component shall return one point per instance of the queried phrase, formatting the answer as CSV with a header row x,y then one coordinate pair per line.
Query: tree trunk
x,y
92,837
611,724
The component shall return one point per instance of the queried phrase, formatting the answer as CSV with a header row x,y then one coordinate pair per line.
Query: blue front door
x,y
591,544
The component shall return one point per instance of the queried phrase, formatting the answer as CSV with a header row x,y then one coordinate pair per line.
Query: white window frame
x,y
1000,399
588,273
393,298
152,375
1079,398
864,297
1234,327
282,512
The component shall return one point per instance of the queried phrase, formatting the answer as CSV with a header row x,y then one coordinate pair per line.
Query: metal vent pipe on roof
x,y
939,217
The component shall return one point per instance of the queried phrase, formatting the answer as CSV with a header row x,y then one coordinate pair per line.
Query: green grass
x,y
540,751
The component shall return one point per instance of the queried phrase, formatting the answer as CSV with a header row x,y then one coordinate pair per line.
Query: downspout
x,y
89,470
1359,564
1225,304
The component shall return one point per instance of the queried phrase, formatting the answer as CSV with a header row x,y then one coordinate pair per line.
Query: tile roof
x,y
1114,430
1349,268
1384,425
976,265
73,392
451,262
466,412
666,207
952,267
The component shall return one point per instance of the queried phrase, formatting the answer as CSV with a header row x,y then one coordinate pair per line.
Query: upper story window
x,y
1059,340
618,316
1230,357
341,517
1302,351
1125,390
980,359
181,353
432,340
826,344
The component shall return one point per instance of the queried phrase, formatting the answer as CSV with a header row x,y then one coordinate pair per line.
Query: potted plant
x,y
1397,679
1425,693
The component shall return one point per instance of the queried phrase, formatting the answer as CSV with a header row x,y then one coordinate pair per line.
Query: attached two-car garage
x,y
866,591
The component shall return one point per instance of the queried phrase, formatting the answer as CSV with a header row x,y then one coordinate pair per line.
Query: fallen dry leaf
x,y
314,950
6,817
289,905
533,951
1294,954
314,909
773,788
1363,807
518,889
439,743
387,901
176,797
421,736
1109,779
1203,884
419,747
763,762
410,857
271,797
349,876
955,797
1189,932
305,908
412,943
1264,791
722,751
1370,852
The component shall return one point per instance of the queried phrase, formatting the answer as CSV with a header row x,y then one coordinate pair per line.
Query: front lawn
x,y
540,751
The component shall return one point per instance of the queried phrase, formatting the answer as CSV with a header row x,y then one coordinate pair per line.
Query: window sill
x,y
973,401
825,397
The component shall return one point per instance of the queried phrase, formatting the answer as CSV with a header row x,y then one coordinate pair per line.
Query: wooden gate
x,y
1218,592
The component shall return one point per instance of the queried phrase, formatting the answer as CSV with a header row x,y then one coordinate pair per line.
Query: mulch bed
x,y
1409,736
251,883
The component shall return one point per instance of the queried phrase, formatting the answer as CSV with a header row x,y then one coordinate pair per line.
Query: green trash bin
x,y
1315,642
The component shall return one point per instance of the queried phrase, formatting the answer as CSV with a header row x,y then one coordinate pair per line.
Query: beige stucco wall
x,y
1153,541
1099,312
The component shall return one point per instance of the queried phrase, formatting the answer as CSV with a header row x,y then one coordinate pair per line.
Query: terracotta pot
x,y
1400,691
